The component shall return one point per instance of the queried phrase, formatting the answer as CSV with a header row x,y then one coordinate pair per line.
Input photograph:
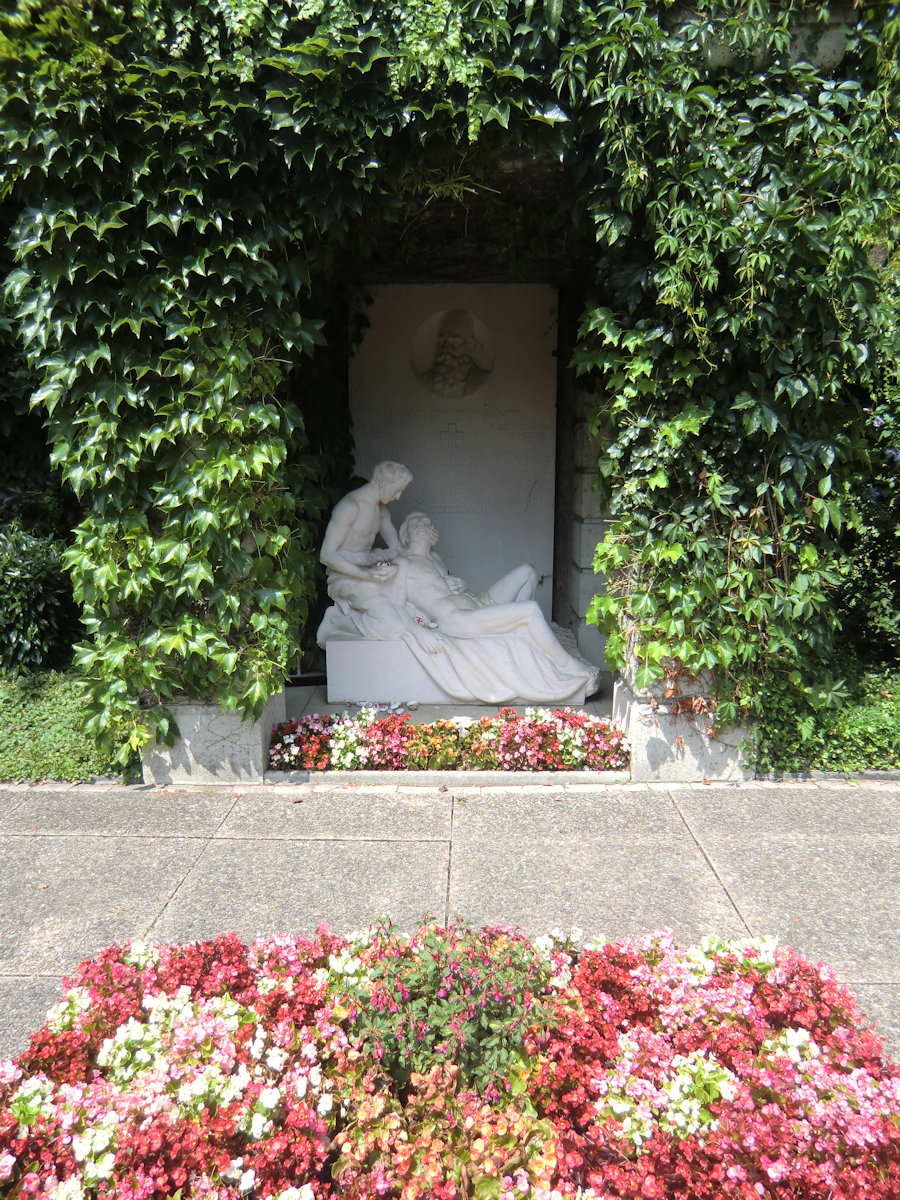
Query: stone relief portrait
x,y
452,353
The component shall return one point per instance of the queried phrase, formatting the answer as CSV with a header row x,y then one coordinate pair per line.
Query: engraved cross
x,y
453,435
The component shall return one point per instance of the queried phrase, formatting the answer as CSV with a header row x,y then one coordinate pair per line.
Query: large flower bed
x,y
451,1063
564,739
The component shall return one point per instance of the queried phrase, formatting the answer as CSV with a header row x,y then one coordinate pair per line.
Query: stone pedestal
x,y
214,747
378,672
362,672
670,748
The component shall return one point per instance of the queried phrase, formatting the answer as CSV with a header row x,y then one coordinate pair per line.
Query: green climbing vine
x,y
189,180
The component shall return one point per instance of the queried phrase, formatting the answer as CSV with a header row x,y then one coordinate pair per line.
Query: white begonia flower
x,y
276,1059
61,1017
325,1105
247,1182
95,1170
544,945
141,955
315,1076
301,1087
269,1097
69,1189
258,1126
234,1170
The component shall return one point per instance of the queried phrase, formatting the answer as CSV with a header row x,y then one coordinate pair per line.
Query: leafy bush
x,y
855,727
38,618
41,731
443,994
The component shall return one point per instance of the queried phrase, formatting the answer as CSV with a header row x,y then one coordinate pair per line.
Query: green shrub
x,y
869,595
856,726
466,997
38,619
41,730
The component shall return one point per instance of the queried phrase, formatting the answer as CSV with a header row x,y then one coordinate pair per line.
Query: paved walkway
x,y
816,864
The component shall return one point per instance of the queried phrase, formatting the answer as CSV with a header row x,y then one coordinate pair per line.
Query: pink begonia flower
x,y
7,1162
9,1072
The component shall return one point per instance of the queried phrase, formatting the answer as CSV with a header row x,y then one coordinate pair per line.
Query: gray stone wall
x,y
580,520
588,524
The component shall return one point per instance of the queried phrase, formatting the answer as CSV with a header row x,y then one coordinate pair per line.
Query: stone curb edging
x,y
276,779
449,779
539,778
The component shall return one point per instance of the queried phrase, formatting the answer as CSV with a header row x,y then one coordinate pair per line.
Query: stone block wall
x,y
581,523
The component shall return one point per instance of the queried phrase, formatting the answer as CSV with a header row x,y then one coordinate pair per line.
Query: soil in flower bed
x,y
539,739
451,1063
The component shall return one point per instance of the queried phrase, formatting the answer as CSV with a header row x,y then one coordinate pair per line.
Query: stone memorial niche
x,y
458,381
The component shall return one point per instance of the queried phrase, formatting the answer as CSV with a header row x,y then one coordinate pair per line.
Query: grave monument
x,y
403,628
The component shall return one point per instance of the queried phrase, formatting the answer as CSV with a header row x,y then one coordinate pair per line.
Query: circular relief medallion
x,y
452,353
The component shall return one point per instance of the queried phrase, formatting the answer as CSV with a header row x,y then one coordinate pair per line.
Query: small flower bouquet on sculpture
x,y
375,739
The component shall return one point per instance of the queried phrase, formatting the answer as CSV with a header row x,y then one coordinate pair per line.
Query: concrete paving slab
x,y
349,816
255,887
24,1001
120,812
804,811
820,872
654,877
62,899
307,698
881,1004
555,815
9,802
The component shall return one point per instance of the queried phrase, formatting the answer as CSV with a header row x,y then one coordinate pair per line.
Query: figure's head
x,y
418,528
391,479
455,343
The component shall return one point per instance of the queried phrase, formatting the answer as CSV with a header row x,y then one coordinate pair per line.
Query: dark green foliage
x,y
857,729
869,594
38,619
31,492
735,352
191,185
42,731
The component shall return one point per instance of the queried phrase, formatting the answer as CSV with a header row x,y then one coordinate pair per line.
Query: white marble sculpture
x,y
492,647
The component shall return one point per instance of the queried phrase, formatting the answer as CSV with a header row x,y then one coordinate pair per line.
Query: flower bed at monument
x,y
451,1063
539,740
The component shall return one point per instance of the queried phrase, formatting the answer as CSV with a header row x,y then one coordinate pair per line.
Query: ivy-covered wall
x,y
192,182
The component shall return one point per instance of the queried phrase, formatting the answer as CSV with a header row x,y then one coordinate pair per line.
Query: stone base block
x,y
363,672
676,749
214,747
378,672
